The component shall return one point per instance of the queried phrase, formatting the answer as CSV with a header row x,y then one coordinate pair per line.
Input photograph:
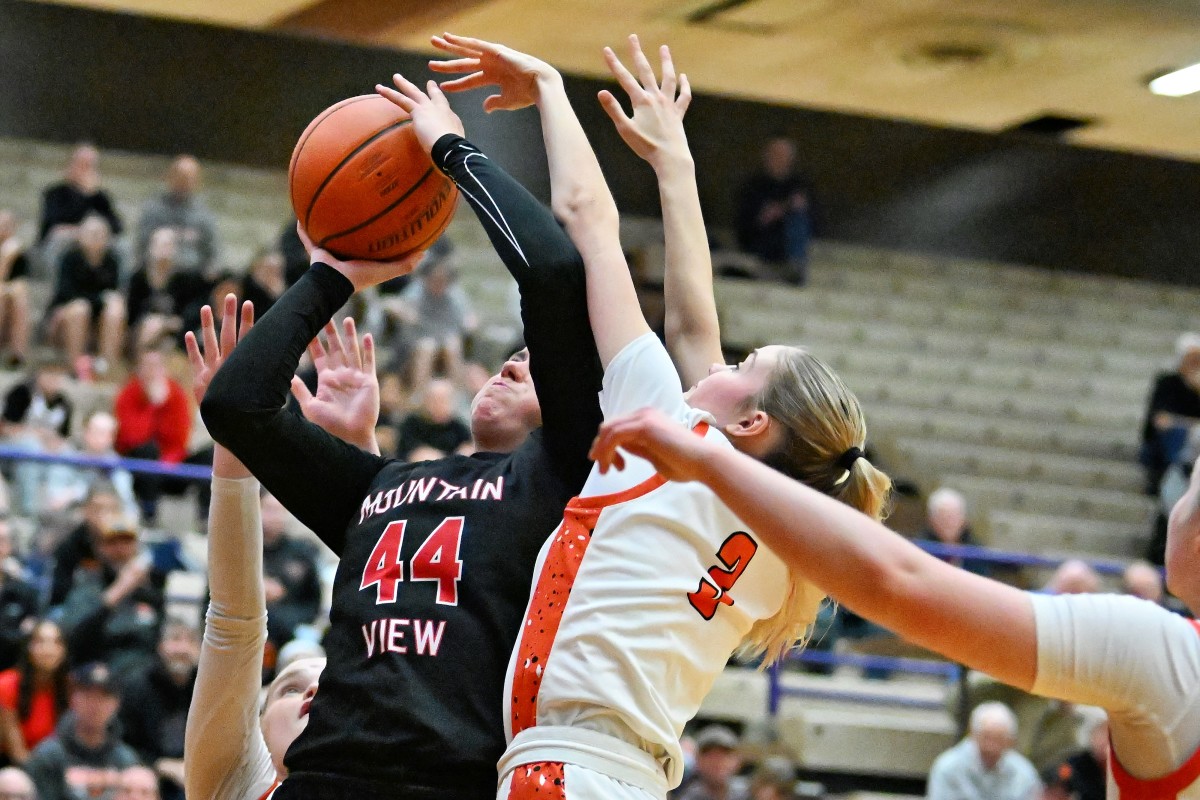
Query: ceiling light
x,y
1178,83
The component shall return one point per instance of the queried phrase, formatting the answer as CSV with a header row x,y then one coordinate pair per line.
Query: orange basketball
x,y
363,187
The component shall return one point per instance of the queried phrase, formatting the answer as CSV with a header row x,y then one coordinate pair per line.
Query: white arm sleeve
x,y
1138,661
225,756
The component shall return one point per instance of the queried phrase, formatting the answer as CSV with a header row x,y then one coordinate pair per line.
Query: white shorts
x,y
549,780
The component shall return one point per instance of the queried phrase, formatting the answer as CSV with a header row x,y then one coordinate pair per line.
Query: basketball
x,y
362,185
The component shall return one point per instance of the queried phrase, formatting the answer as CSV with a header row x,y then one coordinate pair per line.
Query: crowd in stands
x,y
95,672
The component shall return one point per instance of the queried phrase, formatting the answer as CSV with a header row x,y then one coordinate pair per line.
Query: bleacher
x,y
1022,388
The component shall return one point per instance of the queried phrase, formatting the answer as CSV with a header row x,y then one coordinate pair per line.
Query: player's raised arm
x,y
876,573
579,195
655,132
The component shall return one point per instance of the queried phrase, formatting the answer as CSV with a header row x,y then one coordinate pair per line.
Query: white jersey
x,y
1141,663
640,597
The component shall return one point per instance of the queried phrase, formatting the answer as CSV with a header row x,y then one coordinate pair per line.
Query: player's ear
x,y
753,424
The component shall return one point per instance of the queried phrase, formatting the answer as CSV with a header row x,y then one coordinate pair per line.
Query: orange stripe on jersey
x,y
553,588
267,794
1164,788
541,780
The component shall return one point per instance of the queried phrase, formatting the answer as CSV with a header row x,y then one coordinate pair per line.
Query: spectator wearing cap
x,y
15,784
113,612
138,783
154,711
718,759
84,758
984,766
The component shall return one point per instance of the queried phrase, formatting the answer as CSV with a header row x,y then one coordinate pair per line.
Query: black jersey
x,y
436,557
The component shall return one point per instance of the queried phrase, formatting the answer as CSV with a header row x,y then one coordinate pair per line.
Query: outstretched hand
x,y
676,452
432,116
206,362
347,400
361,273
655,130
516,75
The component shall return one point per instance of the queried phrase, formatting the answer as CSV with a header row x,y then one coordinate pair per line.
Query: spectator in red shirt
x,y
34,693
154,421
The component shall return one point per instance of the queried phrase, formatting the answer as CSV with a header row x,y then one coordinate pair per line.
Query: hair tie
x,y
846,460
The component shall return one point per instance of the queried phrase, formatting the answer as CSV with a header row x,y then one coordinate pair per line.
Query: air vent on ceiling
x,y
1053,125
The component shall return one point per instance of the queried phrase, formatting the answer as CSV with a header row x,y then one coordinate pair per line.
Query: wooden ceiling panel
x,y
965,63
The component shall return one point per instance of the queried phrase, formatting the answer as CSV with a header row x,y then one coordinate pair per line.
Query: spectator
x,y
154,421
14,292
264,282
68,485
101,510
773,217
984,766
946,523
155,705
1073,577
65,205
112,613
1083,776
717,763
159,293
1173,410
138,783
15,784
36,417
86,300
774,779
180,207
84,758
1142,579
18,601
290,576
434,317
434,424
33,695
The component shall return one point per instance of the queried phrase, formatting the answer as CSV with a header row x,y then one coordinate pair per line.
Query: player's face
x,y
726,390
506,409
285,713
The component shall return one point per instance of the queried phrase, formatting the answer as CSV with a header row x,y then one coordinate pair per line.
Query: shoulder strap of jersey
x,y
1165,788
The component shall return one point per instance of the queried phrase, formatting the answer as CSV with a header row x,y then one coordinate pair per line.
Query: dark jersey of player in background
x,y
436,557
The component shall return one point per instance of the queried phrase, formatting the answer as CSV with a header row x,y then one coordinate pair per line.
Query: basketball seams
x,y
382,213
434,233
316,123
349,156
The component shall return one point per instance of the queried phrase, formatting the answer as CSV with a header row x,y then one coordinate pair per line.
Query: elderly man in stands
x,y
66,203
946,523
715,776
984,766
16,785
182,208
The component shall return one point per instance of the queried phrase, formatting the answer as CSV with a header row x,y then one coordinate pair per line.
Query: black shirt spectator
x,y
18,603
434,424
79,279
773,216
1173,410
78,195
290,575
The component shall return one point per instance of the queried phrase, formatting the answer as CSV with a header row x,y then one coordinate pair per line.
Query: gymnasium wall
x,y
151,85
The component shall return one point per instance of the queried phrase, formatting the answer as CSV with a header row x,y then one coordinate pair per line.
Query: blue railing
x,y
191,472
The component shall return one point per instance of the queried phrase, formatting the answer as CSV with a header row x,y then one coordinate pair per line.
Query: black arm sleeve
x,y
549,271
318,477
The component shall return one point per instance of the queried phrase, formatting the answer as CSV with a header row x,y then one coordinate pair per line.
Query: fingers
x,y
435,93
195,360
612,107
208,332
456,47
368,343
623,75
229,324
391,94
641,64
247,320
668,71
301,392
353,353
467,43
685,94
316,350
334,344
467,82
303,234
455,65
